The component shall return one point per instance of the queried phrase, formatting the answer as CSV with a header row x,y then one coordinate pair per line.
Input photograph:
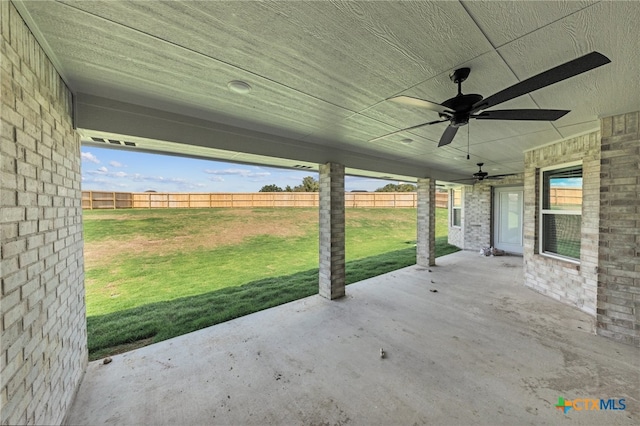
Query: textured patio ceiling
x,y
320,73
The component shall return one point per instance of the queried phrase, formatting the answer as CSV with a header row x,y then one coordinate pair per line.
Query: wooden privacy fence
x,y
162,200
565,196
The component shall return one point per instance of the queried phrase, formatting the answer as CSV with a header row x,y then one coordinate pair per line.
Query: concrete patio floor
x,y
481,350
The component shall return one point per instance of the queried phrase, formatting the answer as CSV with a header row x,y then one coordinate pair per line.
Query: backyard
x,y
156,274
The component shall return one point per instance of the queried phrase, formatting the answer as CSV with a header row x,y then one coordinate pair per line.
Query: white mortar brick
x,y
425,239
563,280
38,102
332,231
618,281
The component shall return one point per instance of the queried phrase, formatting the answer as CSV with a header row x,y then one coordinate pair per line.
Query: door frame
x,y
495,222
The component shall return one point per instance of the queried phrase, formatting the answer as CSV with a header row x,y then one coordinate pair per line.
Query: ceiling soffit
x,y
321,71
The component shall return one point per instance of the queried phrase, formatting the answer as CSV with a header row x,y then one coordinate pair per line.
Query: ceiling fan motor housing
x,y
461,105
480,175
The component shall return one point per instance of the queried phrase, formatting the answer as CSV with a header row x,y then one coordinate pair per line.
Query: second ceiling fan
x,y
461,108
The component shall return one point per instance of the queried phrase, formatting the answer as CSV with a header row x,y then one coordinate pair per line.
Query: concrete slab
x,y
481,350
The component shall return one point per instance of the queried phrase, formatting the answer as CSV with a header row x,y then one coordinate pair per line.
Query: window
x,y
456,207
561,212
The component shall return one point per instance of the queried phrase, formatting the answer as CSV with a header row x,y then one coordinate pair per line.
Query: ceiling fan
x,y
459,109
481,175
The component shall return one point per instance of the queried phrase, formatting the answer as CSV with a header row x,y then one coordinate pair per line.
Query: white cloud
x,y
94,180
87,156
115,164
162,179
237,172
216,179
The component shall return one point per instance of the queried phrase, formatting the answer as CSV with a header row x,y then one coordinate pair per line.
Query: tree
x,y
309,184
400,187
270,188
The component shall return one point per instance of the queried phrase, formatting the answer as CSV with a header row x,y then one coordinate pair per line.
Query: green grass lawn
x,y
156,274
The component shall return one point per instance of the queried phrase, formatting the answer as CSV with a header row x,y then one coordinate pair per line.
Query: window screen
x,y
561,214
456,207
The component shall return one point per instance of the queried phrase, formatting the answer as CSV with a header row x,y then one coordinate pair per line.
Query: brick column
x,y
426,238
43,347
618,300
331,280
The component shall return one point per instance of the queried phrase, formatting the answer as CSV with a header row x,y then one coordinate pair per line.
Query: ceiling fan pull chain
x,y
468,132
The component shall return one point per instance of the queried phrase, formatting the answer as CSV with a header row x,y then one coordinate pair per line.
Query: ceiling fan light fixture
x,y
240,87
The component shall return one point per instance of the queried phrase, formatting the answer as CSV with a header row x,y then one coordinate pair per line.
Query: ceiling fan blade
x,y
498,177
408,128
421,103
554,75
448,135
522,114
464,180
491,177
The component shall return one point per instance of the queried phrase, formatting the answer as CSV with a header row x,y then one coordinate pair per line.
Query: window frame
x,y
542,211
453,207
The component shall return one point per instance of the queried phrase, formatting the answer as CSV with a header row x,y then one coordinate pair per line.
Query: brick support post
x,y
332,276
426,235
618,299
43,340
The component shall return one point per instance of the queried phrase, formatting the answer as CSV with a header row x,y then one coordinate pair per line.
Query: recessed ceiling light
x,y
406,141
239,86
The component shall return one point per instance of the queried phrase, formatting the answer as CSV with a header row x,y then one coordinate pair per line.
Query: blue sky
x,y
128,171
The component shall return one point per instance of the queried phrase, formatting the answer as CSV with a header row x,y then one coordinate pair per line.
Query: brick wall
x,y
562,280
477,216
618,310
476,230
43,342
